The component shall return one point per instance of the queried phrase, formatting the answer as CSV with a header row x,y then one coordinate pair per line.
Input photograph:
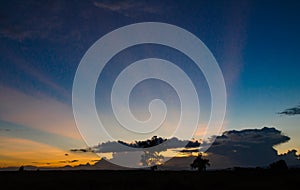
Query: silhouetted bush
x,y
279,165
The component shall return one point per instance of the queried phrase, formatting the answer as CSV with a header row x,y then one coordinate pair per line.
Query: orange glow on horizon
x,y
16,152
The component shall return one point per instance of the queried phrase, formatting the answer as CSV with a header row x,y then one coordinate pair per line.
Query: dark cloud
x,y
165,144
5,130
82,150
266,135
291,111
121,146
154,141
250,147
245,148
68,161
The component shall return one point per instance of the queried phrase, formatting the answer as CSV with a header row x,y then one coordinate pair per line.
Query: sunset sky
x,y
256,44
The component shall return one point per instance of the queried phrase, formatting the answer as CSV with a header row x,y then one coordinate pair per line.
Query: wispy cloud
x,y
68,161
291,111
39,112
235,38
30,21
129,8
37,129
36,135
82,150
16,151
32,72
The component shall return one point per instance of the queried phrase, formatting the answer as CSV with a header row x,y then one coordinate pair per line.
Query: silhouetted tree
x,y
151,158
200,163
21,168
279,165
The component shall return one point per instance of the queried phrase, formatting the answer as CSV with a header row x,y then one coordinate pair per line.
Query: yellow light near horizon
x,y
15,152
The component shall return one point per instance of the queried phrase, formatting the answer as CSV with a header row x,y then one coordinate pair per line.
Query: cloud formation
x,y
245,148
166,144
39,112
37,19
128,7
68,161
249,147
291,111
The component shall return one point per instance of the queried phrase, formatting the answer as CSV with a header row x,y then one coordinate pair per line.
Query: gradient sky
x,y
256,44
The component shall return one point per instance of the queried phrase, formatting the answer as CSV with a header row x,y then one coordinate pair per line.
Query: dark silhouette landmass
x,y
238,178
275,175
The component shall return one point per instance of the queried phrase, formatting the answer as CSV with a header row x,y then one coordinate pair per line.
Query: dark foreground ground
x,y
149,180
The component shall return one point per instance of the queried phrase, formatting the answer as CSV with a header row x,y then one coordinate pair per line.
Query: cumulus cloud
x,y
291,111
245,148
250,147
266,135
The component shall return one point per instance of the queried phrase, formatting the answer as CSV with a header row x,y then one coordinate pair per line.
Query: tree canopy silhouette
x,y
21,168
279,165
200,163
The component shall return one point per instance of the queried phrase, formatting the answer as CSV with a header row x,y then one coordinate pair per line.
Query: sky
x,y
255,43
